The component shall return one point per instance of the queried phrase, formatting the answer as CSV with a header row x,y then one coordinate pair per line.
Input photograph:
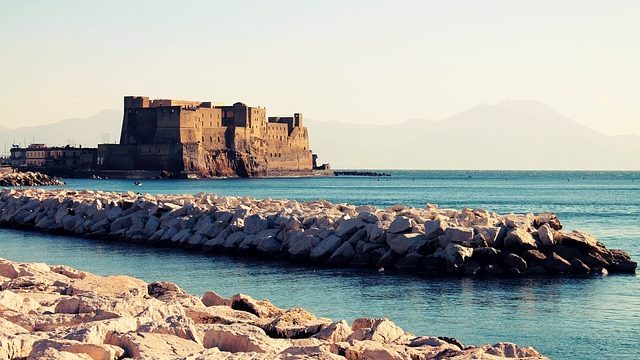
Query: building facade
x,y
60,160
198,139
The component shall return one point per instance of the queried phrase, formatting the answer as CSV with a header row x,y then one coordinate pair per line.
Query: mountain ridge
x,y
81,131
518,135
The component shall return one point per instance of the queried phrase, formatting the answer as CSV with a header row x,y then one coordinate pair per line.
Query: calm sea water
x,y
565,318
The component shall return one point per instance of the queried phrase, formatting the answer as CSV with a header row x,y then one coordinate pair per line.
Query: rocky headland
x,y
429,241
57,312
28,178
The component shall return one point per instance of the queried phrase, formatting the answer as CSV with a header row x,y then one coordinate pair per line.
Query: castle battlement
x,y
195,137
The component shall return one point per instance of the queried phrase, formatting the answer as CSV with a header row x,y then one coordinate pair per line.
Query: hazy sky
x,y
356,61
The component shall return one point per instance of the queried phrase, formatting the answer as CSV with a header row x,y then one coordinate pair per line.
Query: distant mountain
x,y
508,135
99,128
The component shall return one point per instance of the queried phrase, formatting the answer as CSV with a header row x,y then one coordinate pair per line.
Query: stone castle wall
x,y
196,138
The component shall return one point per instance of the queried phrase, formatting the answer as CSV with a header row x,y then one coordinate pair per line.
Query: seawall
x,y
429,241
57,312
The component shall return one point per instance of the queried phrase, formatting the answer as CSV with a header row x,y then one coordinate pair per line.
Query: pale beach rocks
x,y
430,241
28,179
56,312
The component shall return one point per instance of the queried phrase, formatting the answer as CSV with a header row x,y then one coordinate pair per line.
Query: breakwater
x,y
430,240
28,178
360,173
57,312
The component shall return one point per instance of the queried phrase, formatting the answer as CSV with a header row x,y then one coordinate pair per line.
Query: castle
x,y
197,139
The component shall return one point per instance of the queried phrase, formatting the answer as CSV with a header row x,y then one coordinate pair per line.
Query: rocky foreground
x,y
430,240
28,179
56,312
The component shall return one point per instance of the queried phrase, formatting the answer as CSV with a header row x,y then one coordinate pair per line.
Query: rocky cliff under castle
x,y
197,139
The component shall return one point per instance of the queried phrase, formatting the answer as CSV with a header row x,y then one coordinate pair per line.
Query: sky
x,y
379,62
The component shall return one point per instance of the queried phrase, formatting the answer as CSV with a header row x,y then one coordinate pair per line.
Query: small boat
x,y
138,183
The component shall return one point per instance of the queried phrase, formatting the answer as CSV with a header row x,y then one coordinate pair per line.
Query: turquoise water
x,y
565,318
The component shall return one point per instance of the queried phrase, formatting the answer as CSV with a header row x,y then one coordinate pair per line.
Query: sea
x,y
569,317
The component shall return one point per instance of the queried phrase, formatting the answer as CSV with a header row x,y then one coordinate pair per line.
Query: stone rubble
x,y
28,179
429,241
55,312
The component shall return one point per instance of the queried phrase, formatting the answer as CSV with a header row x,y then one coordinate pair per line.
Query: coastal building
x,y
17,156
35,155
197,139
58,160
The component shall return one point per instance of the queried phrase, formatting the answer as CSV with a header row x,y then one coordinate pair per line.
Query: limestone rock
x,y
220,314
458,235
545,234
326,247
411,260
342,255
211,298
115,317
269,245
368,217
405,242
300,247
547,218
241,338
519,221
260,308
95,332
372,350
334,332
486,255
556,263
579,239
456,255
348,227
176,325
434,228
510,350
578,267
92,351
533,256
152,346
379,330
519,239
253,224
516,262
401,224
295,323
489,234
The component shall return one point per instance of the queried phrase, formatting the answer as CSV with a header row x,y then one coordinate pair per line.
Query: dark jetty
x,y
360,173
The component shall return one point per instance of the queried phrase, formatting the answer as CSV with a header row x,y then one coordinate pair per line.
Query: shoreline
x,y
62,313
430,241
159,175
